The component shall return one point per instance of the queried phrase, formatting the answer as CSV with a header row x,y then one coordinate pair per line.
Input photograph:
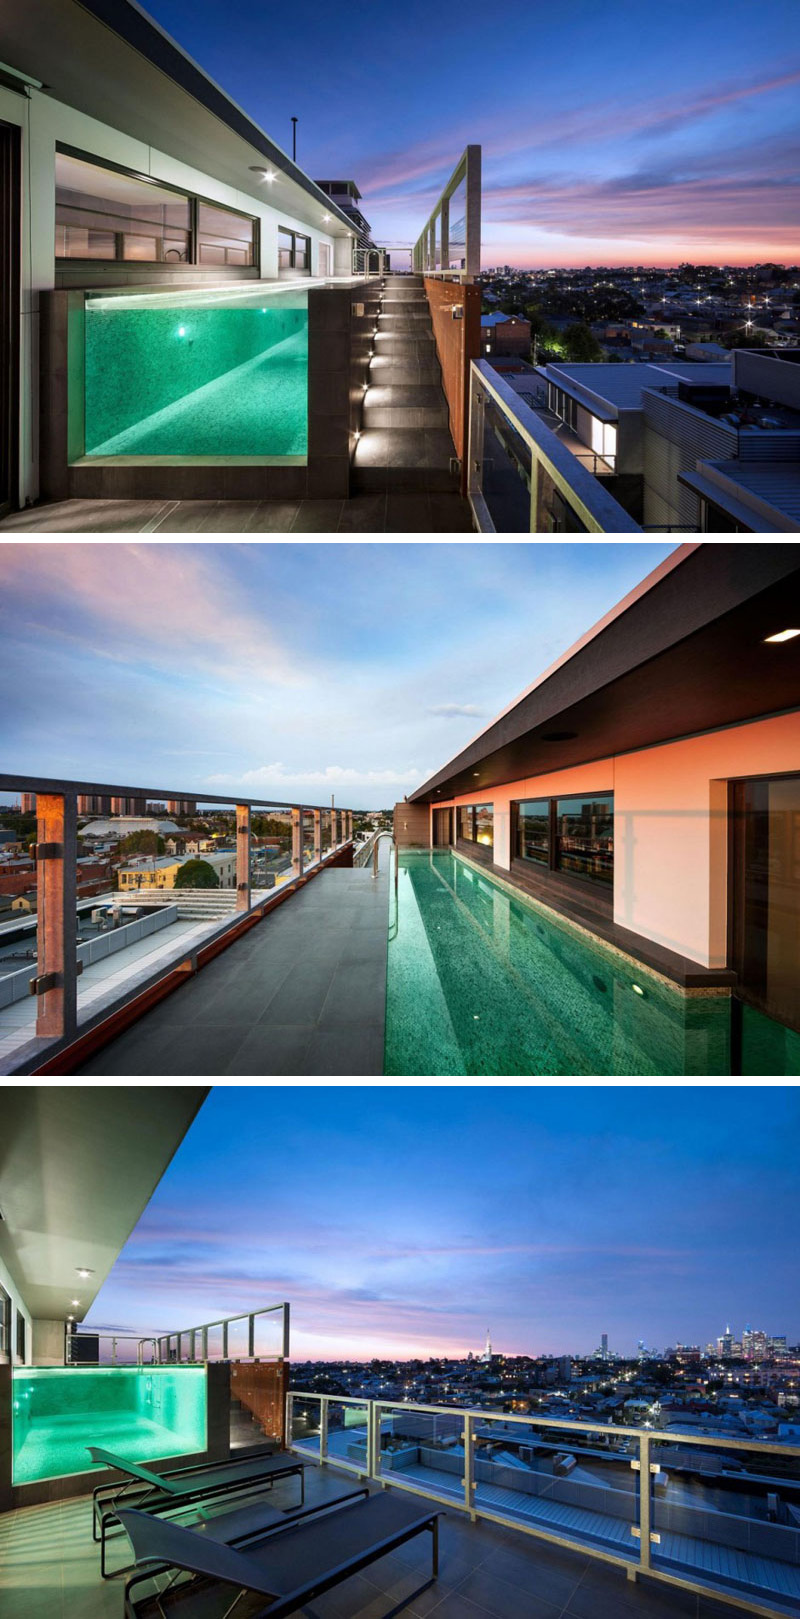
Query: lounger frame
x,y
135,1492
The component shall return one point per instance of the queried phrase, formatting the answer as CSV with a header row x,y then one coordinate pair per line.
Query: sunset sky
x,y
283,669
616,133
402,1221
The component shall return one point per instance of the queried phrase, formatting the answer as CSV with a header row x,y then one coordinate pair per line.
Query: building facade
x,y
647,787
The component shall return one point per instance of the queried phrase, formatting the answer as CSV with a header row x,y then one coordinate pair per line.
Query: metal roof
x,y
766,492
621,386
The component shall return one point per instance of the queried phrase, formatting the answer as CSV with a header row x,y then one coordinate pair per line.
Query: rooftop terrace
x,y
49,1569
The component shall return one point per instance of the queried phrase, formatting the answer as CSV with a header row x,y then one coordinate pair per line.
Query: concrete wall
x,y
670,824
45,121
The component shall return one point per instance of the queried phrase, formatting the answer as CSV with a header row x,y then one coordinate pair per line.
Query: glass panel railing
x,y
505,472
348,1434
215,1341
575,1483
239,1338
729,1518
305,1423
422,1448
268,1334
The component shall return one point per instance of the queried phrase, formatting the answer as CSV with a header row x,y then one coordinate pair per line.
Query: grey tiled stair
x,y
405,442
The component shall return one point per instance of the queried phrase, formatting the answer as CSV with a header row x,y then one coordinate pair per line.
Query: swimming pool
x,y
144,1413
215,374
481,982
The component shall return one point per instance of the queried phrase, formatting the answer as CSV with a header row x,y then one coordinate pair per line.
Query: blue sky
x,y
612,133
290,670
404,1220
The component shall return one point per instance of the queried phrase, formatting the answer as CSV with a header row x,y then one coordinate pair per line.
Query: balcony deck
x,y
49,1569
303,993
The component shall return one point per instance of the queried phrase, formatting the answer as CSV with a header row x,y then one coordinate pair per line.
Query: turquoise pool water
x,y
144,1413
224,377
481,982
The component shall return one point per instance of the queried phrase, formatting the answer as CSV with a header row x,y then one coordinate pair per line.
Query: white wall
x,y
17,1303
44,122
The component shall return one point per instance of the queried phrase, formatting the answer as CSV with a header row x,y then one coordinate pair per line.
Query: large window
x,y
585,837
765,942
5,1325
224,237
294,251
112,217
533,831
104,215
574,836
476,825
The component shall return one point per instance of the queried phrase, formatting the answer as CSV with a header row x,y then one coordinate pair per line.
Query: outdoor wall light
x,y
782,635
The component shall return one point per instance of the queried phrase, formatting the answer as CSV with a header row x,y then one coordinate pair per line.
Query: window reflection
x,y
533,831
585,837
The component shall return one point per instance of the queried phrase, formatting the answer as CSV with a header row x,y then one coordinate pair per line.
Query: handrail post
x,y
469,1465
323,1427
242,857
56,981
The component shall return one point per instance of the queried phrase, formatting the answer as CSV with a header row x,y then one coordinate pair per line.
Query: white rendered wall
x,y
670,826
44,122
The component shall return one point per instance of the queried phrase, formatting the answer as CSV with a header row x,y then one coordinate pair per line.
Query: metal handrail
x,y
460,1491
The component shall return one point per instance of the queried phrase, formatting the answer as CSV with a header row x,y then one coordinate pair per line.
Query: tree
x,y
581,344
196,874
141,843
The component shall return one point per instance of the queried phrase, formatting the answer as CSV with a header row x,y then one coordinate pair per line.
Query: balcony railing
x,y
311,836
713,1515
450,244
522,478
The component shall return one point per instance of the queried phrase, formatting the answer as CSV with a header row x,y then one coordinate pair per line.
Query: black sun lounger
x,y
180,1487
288,1569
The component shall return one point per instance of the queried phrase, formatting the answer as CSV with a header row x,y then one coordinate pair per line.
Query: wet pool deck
x,y
49,1569
303,993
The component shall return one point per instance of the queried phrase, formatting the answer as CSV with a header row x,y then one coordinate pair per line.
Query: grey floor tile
x,y
345,1051
272,1049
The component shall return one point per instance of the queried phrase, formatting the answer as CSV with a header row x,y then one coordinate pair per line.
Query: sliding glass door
x,y
765,912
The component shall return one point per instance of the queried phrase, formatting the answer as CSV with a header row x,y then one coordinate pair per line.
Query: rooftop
x,y
49,1569
621,386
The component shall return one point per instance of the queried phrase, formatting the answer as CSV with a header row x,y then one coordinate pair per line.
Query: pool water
x,y
480,982
143,1413
221,378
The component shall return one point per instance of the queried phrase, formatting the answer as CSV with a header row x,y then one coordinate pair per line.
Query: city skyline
x,y
629,139
399,1221
283,669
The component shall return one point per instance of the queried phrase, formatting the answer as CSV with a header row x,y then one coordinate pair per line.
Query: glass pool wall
x,y
143,1413
216,374
480,982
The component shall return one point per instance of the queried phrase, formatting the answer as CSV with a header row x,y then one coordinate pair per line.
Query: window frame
x,y
550,872
194,198
480,851
296,236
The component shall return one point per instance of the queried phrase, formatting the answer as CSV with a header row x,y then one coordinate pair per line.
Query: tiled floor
x,y
49,1569
379,513
304,992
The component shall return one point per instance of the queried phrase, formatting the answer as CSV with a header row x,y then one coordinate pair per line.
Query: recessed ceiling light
x,y
783,635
